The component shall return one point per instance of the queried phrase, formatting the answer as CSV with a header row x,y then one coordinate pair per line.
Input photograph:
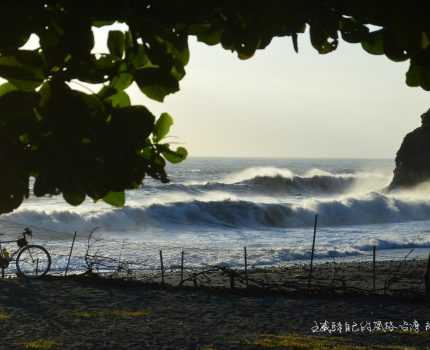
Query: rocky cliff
x,y
413,157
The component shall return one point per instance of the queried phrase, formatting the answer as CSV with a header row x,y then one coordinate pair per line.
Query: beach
x,y
401,278
366,289
89,312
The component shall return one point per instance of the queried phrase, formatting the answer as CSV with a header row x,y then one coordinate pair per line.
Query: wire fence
x,y
375,272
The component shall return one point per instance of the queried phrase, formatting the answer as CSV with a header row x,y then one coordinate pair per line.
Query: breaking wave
x,y
367,209
275,181
383,244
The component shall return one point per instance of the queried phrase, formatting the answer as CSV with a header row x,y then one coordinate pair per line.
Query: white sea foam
x,y
253,172
221,212
282,181
270,209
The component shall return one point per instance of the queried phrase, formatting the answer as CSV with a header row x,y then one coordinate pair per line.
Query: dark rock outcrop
x,y
413,157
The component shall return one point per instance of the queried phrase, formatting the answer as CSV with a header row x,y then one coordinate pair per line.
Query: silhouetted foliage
x,y
98,145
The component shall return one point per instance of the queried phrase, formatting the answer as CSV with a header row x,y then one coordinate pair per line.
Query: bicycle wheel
x,y
33,261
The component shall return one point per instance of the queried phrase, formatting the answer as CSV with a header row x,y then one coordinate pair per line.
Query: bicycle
x,y
32,261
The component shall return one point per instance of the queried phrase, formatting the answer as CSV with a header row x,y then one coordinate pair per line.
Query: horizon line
x,y
292,158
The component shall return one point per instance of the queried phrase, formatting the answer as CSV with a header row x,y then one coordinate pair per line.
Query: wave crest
x,y
298,185
369,209
281,182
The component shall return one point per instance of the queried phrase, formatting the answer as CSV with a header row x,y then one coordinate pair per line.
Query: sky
x,y
347,104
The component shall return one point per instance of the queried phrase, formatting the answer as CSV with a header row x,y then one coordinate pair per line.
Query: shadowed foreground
x,y
91,313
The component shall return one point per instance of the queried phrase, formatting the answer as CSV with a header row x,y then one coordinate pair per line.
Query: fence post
x,y
120,256
70,254
162,266
313,250
245,255
427,277
182,266
374,268
232,284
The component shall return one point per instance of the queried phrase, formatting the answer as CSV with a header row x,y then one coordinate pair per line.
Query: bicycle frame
x,y
13,253
25,267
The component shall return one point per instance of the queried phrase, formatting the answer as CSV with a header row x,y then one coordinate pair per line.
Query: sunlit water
x,y
214,207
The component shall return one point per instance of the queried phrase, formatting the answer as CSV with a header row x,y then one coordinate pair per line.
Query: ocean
x,y
213,207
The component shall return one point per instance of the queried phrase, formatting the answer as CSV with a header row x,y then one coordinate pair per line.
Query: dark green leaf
x,y
17,112
162,127
117,199
10,201
106,92
106,63
323,35
94,107
75,36
94,70
128,42
395,47
116,43
120,99
178,71
24,69
413,75
139,58
121,81
210,37
74,198
147,153
425,78
133,123
184,55
175,156
6,87
295,42
13,37
352,31
425,41
156,83
99,24
374,43
25,85
206,33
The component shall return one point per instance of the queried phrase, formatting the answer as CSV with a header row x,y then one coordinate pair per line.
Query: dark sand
x,y
398,278
94,313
